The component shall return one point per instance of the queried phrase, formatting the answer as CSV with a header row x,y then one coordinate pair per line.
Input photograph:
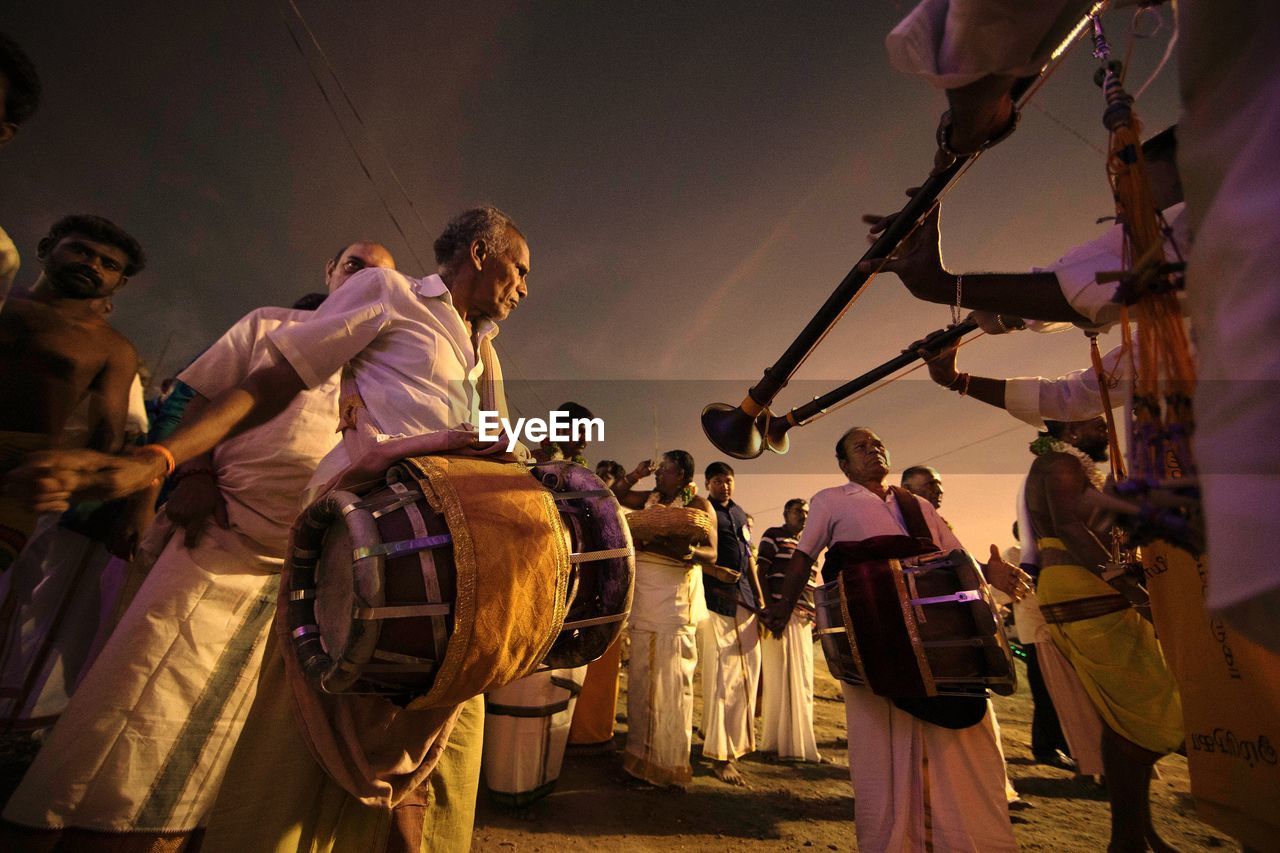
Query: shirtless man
x,y
56,347
1110,646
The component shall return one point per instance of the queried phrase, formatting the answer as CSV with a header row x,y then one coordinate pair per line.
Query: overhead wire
x,y
508,362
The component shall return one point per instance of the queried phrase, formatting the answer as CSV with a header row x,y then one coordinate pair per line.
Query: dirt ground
x,y
810,806
788,806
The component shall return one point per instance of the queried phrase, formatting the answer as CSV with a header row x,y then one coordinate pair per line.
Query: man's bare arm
x,y
196,497
49,480
918,263
942,370
794,581
109,398
1065,486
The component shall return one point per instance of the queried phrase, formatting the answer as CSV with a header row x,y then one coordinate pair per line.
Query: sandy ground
x,y
808,806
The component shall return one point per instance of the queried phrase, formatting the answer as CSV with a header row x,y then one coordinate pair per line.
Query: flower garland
x,y
682,497
1047,443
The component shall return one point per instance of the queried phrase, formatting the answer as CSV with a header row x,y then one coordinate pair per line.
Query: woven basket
x,y
678,522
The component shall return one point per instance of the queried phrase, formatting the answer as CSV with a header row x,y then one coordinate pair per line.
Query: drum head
x,y
334,590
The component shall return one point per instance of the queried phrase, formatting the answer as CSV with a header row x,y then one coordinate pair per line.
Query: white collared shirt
x,y
413,357
851,513
262,471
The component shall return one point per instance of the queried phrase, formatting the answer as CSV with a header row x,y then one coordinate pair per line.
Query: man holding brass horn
x,y
888,746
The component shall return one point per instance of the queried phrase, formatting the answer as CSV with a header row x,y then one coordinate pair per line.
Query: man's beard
x,y
1096,450
68,283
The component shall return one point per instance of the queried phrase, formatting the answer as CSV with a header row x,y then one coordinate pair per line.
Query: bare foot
x,y
727,772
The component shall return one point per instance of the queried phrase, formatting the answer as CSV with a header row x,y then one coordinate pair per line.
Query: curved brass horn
x,y
775,435
752,432
735,431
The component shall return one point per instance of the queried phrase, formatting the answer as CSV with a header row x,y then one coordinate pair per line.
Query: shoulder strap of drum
x,y
912,516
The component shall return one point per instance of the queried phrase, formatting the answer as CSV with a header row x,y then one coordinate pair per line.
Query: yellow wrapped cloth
x,y
1117,656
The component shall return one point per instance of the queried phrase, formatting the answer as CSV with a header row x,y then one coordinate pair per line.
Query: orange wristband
x,y
163,452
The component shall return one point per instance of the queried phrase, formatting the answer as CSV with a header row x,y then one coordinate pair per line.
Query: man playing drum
x,y
420,355
890,750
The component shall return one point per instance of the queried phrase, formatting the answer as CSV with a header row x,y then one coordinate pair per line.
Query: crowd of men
x,y
141,645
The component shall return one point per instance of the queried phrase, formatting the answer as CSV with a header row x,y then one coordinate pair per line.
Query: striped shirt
x,y
776,547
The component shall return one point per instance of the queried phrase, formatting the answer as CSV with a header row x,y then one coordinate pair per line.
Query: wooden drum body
x,y
914,627
454,576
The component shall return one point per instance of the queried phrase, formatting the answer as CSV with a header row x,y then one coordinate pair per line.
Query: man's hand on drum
x,y
1006,577
193,501
49,480
918,259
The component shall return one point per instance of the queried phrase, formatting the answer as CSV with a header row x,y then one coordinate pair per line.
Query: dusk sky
x,y
690,177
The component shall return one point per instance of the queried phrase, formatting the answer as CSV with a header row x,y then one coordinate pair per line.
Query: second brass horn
x,y
774,431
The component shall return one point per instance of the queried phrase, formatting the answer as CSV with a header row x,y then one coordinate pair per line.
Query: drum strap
x,y
912,516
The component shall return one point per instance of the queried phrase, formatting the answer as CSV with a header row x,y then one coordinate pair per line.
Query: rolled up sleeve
x,y
817,530
1072,397
344,326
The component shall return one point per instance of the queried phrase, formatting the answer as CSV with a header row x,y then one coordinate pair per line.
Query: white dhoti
x,y
1078,716
143,744
53,605
660,706
730,651
787,670
964,795
667,605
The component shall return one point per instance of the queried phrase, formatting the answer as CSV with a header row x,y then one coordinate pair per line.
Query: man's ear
x,y
43,247
329,266
8,130
479,251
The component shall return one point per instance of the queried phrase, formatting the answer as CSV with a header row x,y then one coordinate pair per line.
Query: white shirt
x,y
262,471
1074,396
412,355
952,43
1077,270
851,513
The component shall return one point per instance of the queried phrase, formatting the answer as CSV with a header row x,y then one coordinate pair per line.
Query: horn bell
x,y
733,431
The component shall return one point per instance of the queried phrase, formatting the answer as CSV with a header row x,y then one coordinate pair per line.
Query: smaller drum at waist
x,y
526,730
914,627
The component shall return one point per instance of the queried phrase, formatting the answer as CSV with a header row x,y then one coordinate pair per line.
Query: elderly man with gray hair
x,y
414,352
